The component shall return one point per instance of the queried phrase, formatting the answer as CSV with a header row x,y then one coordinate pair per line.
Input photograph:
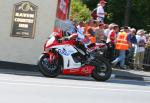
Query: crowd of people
x,y
120,41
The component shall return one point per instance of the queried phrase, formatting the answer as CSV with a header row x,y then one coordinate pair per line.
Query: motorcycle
x,y
61,56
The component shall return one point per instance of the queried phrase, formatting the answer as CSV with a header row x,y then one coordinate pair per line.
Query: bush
x,y
79,11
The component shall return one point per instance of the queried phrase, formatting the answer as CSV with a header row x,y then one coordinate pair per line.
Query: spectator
x,y
132,37
148,42
100,11
90,24
133,42
112,34
91,35
122,44
126,29
140,49
80,27
99,33
107,30
111,41
95,24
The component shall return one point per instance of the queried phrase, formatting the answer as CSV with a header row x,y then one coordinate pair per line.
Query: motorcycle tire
x,y
46,68
103,70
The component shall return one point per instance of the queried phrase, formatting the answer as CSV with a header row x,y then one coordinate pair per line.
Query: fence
x,y
146,62
130,60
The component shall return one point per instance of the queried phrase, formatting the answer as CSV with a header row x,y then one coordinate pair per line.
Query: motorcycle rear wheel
x,y
103,70
49,69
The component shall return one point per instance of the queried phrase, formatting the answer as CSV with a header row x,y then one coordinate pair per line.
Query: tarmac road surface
x,y
38,89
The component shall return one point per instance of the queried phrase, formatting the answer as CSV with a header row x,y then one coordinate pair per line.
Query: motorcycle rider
x,y
77,34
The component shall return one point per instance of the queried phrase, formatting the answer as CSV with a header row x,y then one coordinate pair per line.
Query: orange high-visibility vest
x,y
121,41
92,39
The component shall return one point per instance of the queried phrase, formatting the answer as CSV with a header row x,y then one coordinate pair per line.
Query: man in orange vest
x,y
122,44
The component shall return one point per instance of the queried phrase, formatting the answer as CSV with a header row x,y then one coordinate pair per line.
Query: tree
x,y
116,8
140,16
127,12
91,4
79,11
134,13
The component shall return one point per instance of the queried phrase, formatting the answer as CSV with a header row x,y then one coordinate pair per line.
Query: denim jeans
x,y
100,19
121,57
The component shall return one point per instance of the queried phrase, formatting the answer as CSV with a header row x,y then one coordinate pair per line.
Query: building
x,y
25,26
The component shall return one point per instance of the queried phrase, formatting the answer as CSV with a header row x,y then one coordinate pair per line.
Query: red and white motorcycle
x,y
61,56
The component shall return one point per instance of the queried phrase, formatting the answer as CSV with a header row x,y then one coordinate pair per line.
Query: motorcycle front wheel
x,y
48,69
102,70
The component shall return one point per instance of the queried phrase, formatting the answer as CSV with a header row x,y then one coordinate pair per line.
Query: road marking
x,y
74,86
27,79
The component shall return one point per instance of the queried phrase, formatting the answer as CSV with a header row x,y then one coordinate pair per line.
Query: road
x,y
66,89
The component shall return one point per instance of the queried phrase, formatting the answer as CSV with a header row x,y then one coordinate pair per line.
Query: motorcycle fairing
x,y
83,71
66,52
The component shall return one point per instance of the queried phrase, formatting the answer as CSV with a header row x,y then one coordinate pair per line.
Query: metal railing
x,y
130,58
146,61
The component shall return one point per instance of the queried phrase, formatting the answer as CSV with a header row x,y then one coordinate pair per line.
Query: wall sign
x,y
24,20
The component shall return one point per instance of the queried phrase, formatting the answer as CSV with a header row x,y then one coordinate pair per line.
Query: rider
x,y
75,33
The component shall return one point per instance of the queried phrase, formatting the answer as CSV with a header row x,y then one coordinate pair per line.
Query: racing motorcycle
x,y
62,56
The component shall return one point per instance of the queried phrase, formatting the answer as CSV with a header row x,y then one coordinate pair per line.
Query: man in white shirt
x,y
100,11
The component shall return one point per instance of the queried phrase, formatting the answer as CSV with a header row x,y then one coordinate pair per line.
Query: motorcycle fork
x,y
52,56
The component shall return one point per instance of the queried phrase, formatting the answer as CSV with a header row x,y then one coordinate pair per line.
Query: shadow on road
x,y
131,73
121,76
70,77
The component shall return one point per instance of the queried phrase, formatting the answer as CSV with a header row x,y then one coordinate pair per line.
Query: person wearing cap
x,y
100,11
140,49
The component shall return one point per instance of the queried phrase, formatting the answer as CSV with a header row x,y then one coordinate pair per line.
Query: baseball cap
x,y
103,1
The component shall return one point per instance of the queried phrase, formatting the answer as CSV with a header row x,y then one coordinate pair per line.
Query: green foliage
x,y
140,16
117,10
139,12
79,11
91,4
